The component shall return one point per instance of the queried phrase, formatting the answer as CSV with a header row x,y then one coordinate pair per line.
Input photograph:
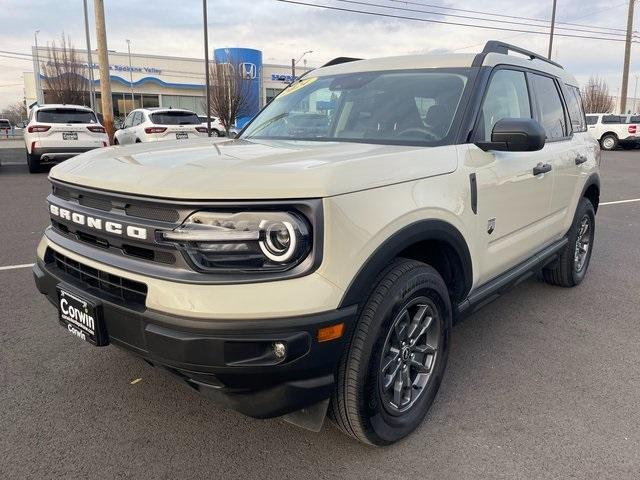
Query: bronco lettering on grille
x,y
96,223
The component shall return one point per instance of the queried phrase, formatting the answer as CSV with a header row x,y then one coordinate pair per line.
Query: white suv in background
x,y
613,130
217,128
155,124
57,132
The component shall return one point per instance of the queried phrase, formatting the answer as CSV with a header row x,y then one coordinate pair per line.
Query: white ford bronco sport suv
x,y
318,264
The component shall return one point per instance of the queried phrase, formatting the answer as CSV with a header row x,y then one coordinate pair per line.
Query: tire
x,y
609,141
33,162
115,141
138,140
571,268
361,406
215,133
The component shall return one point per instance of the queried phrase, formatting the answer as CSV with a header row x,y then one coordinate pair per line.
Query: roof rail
x,y
339,60
495,46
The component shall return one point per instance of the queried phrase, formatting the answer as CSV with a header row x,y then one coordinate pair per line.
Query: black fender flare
x,y
413,233
594,179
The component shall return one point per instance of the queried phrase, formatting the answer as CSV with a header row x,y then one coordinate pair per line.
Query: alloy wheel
x,y
409,355
583,243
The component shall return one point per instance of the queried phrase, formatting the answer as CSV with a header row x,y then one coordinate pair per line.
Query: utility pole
x,y
36,70
92,94
293,70
206,65
103,60
627,57
553,26
635,93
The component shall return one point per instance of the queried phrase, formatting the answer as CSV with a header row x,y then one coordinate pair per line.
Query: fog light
x,y
279,349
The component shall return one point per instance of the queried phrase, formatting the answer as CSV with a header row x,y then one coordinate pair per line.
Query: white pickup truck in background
x,y
614,130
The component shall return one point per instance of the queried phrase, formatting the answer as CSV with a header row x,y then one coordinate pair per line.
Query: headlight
x,y
243,241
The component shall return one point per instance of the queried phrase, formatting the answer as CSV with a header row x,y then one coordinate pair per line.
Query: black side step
x,y
496,287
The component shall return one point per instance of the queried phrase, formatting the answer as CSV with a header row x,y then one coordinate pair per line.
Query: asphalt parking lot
x,y
542,383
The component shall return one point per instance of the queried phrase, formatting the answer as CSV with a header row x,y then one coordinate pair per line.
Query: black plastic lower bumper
x,y
59,154
231,361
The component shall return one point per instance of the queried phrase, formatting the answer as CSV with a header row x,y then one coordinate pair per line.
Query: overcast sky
x,y
282,31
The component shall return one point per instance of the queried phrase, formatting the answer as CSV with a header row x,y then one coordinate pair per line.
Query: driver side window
x,y
507,97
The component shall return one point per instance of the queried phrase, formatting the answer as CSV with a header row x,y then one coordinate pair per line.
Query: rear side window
x,y
576,112
174,118
550,108
592,119
137,118
65,115
507,97
612,119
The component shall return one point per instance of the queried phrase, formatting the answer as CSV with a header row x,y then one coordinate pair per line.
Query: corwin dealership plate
x,y
69,135
81,317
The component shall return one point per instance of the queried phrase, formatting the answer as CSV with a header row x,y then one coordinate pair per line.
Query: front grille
x,y
98,203
115,288
152,213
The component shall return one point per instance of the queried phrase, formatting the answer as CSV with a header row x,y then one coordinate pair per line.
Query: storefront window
x,y
195,104
272,93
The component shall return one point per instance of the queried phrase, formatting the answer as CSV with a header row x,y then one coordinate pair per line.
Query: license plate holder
x,y
81,317
70,135
182,136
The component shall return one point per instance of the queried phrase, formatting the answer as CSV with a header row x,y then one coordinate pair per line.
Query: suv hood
x,y
206,169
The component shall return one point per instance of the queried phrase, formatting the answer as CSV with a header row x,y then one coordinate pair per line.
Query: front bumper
x,y
230,361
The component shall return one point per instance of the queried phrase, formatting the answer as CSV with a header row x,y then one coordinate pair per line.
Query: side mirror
x,y
515,135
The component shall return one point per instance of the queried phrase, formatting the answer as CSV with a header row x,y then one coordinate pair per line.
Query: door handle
x,y
580,159
541,168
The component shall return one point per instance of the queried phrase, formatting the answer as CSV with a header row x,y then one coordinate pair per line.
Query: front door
x,y
514,192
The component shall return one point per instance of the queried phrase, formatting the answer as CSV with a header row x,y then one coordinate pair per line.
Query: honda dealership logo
x,y
249,70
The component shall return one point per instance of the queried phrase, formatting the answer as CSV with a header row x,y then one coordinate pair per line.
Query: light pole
x,y
133,102
206,65
37,70
92,94
294,62
635,93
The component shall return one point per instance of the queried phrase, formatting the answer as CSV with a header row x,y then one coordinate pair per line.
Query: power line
x,y
442,22
452,15
508,16
520,34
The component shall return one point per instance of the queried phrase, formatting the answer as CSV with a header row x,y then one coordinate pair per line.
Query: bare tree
x,y
15,113
232,95
595,96
65,75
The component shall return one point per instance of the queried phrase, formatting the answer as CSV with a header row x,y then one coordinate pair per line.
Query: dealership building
x,y
159,81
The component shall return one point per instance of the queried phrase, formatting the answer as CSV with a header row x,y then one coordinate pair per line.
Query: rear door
x,y
562,147
513,203
180,124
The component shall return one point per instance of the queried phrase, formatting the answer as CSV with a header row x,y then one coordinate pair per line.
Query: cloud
x,y
283,31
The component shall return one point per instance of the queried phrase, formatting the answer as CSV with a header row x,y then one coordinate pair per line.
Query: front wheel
x,y
392,369
571,268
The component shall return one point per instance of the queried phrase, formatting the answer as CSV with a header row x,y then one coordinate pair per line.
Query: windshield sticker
x,y
298,85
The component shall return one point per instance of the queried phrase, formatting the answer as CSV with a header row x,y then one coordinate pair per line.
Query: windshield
x,y
66,115
397,107
175,118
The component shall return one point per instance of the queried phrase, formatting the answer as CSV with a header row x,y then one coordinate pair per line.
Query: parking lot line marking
x,y
14,267
12,164
621,201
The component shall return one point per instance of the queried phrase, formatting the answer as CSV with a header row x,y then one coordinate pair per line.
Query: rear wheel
x,y
116,142
33,162
571,268
391,372
215,133
609,141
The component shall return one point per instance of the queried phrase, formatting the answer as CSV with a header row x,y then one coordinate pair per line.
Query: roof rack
x,y
494,46
339,60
